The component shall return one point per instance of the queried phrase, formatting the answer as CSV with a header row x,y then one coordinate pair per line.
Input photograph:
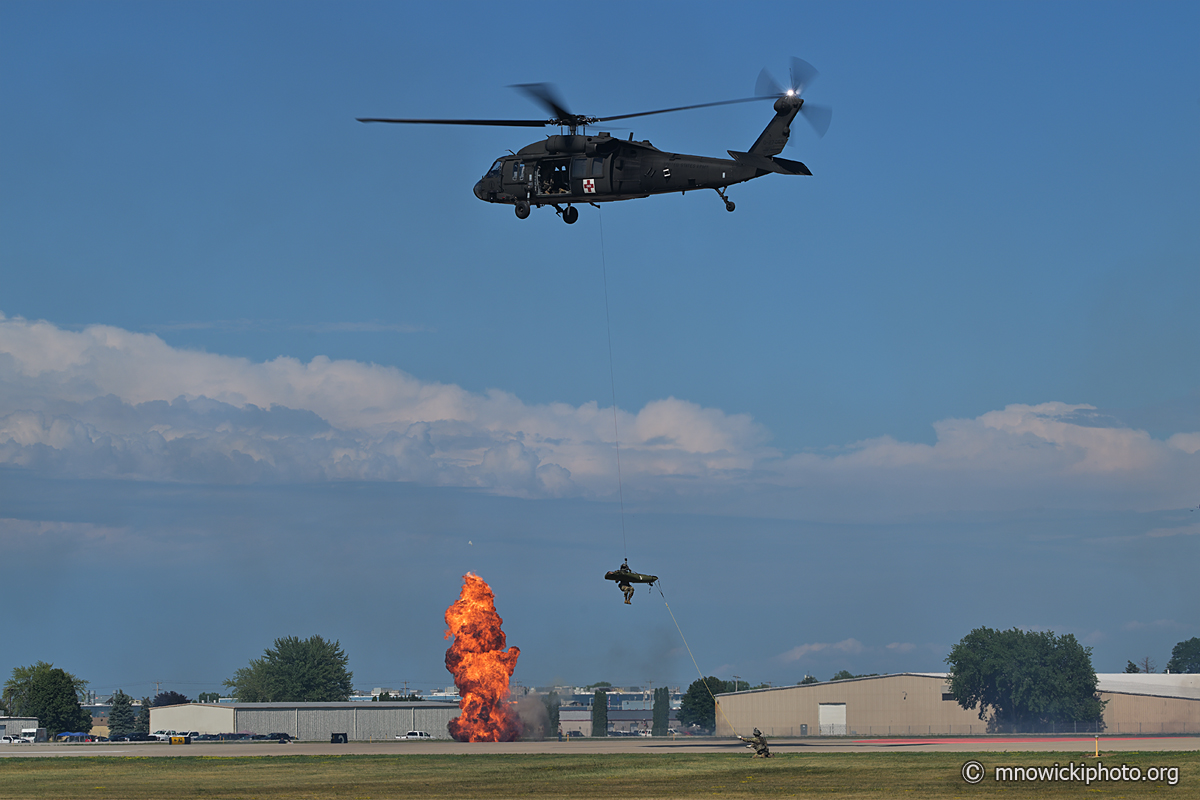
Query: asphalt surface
x,y
1084,745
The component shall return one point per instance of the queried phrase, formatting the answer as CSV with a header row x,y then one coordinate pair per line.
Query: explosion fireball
x,y
481,666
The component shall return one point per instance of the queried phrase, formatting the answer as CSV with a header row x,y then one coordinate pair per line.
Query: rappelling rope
x,y
613,382
697,666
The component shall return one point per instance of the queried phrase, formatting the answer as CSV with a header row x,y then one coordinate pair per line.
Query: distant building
x,y
579,718
12,726
920,704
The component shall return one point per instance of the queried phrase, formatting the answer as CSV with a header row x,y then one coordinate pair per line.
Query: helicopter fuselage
x,y
566,169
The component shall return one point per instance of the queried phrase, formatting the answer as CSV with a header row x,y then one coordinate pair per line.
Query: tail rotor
x,y
801,74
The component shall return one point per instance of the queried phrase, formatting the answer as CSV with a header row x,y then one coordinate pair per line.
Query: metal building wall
x,y
888,705
1133,713
308,721
911,704
359,721
11,726
199,717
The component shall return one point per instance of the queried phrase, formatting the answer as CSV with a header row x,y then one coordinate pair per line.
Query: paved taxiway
x,y
1084,745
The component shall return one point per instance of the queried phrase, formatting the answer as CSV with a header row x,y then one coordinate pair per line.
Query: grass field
x,y
825,775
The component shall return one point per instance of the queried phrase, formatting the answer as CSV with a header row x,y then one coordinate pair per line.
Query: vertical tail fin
x,y
771,141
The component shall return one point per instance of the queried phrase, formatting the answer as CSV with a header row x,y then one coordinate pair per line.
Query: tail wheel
x,y
522,210
570,214
729,206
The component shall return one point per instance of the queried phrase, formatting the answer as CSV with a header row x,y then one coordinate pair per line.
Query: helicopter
x,y
572,167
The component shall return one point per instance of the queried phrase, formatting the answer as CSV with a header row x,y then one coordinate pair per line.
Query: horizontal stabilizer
x,y
770,164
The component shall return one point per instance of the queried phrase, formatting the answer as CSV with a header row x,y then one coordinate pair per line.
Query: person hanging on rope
x,y
757,743
625,578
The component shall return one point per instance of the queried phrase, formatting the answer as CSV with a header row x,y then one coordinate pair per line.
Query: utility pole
x,y
736,678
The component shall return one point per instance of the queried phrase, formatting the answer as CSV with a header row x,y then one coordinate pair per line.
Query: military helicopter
x,y
572,167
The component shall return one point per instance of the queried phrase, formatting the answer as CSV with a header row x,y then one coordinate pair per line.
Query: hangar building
x,y
920,704
309,721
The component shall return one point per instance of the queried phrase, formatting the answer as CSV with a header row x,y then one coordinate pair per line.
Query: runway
x,y
1084,745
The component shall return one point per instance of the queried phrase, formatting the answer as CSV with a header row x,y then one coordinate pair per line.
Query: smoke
x,y
531,710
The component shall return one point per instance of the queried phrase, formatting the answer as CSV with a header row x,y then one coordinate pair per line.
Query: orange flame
x,y
481,666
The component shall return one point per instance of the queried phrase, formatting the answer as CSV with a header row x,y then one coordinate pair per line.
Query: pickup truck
x,y
415,735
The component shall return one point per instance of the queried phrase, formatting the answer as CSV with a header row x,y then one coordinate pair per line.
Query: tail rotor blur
x,y
801,75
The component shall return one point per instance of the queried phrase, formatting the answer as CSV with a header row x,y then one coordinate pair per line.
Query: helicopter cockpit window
x,y
579,168
494,172
518,175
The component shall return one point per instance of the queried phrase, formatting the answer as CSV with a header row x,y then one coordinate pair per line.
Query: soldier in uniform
x,y
758,743
625,586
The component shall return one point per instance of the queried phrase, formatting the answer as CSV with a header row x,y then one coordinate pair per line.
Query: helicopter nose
x,y
479,191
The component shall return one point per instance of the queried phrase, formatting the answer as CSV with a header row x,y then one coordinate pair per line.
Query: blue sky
x,y
266,371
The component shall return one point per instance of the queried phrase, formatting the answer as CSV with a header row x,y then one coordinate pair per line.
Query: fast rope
x,y
694,664
612,382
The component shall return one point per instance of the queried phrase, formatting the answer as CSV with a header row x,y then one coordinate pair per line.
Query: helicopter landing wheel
x,y
570,214
522,210
729,206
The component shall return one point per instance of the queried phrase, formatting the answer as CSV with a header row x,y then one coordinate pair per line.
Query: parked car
x,y
11,740
280,737
415,735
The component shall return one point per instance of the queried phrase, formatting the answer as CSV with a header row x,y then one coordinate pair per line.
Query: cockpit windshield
x,y
494,172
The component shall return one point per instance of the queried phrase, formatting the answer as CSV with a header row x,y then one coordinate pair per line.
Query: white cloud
x,y
844,647
108,402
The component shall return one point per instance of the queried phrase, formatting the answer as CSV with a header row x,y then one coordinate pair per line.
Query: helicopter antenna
x,y
612,382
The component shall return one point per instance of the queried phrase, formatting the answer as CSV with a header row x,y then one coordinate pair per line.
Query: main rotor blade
x,y
508,123
767,86
681,108
545,95
818,116
803,74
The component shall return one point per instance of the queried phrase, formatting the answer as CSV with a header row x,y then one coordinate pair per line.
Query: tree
x,y
1024,677
552,702
295,671
1147,665
120,715
600,713
809,679
661,716
698,706
54,701
845,675
1185,657
19,688
208,697
1131,668
143,718
170,699
52,695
